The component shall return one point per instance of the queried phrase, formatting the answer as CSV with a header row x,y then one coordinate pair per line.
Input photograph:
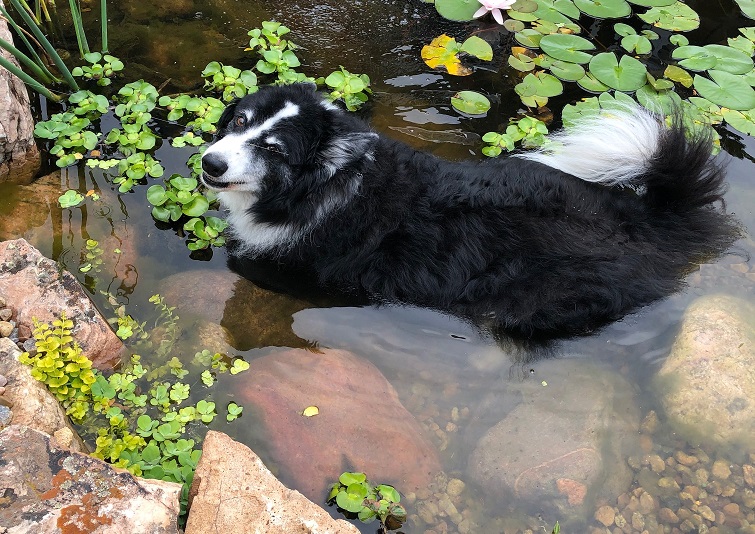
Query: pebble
x,y
685,459
748,472
6,314
650,423
606,515
6,416
656,463
5,328
667,515
455,487
721,469
3,381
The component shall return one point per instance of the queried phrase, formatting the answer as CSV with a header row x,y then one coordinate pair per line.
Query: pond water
x,y
458,384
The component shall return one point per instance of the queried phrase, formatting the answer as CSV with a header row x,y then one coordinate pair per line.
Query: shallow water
x,y
438,365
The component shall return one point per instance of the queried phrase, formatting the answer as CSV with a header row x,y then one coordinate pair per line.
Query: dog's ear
x,y
344,150
227,114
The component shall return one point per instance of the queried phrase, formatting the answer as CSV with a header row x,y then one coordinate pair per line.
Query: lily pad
x,y
730,59
743,44
747,7
567,47
70,199
589,83
726,90
624,29
664,101
535,89
521,62
678,74
479,48
568,72
470,102
529,38
744,121
558,11
652,3
628,74
678,40
442,52
676,17
604,9
513,25
695,58
459,10
637,43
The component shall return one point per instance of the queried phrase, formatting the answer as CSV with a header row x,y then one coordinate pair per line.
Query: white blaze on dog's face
x,y
229,164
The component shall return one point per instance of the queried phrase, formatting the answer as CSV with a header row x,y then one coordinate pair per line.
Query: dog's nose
x,y
214,165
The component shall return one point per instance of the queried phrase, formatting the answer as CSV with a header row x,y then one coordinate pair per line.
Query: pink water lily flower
x,y
494,7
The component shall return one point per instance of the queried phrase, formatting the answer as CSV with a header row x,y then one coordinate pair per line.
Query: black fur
x,y
509,242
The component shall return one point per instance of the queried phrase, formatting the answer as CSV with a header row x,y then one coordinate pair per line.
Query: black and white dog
x,y
542,245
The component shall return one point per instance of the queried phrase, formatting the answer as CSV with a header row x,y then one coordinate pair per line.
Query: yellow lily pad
x,y
442,52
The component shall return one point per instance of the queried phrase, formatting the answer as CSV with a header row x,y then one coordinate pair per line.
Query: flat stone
x,y
575,432
37,289
234,493
32,403
361,425
47,489
707,383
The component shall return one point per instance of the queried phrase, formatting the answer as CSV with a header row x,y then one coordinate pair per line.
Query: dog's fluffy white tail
x,y
613,147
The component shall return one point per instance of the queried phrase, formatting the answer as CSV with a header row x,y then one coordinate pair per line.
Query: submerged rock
x,y
361,426
234,493
31,403
251,316
707,383
566,441
46,489
36,288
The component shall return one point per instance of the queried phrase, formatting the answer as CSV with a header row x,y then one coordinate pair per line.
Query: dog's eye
x,y
239,120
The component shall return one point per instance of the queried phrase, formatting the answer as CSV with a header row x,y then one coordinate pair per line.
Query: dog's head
x,y
283,139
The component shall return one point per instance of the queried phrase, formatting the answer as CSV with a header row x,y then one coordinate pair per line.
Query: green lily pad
x,y
459,10
664,101
744,121
479,48
529,38
558,11
624,29
568,72
747,7
521,62
726,90
513,25
567,47
730,59
677,17
652,3
628,74
573,113
637,43
743,44
70,199
535,89
678,40
470,102
604,9
589,83
695,58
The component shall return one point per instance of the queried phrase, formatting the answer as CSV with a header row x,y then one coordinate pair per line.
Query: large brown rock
x,y
566,441
32,404
19,156
46,489
234,493
707,383
36,289
361,426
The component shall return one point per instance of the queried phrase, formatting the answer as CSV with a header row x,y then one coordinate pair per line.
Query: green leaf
x,y
678,40
730,59
568,72
624,29
557,11
652,3
567,47
470,102
529,38
350,502
347,478
665,101
535,89
744,121
695,58
604,9
628,74
637,43
70,199
589,83
677,17
479,48
458,10
747,7
726,90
